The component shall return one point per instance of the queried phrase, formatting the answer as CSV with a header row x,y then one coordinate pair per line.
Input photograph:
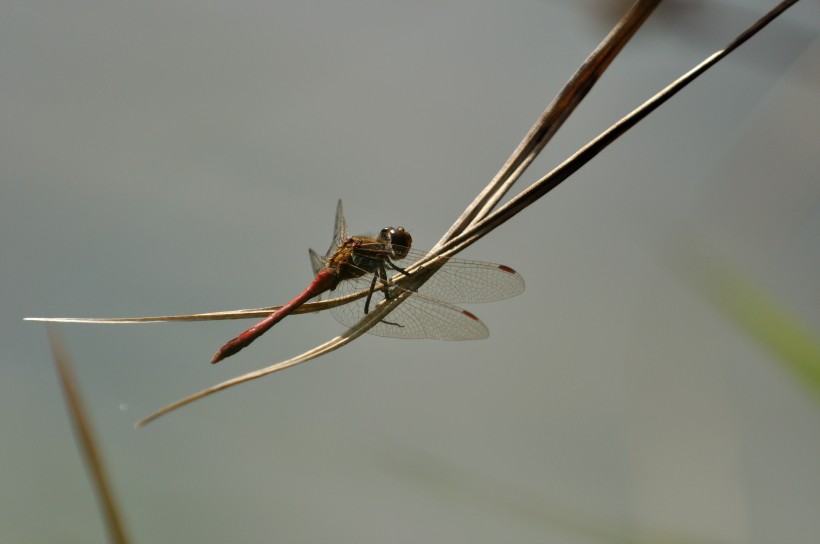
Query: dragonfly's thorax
x,y
367,254
346,260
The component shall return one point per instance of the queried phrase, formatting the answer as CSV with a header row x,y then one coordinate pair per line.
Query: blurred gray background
x,y
174,157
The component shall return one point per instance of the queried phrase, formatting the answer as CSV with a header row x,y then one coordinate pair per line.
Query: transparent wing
x,y
339,230
460,280
417,317
428,313
316,262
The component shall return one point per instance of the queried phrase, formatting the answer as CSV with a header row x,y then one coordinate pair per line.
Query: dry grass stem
x,y
553,117
85,438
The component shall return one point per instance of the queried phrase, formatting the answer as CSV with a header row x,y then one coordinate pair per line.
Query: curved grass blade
x,y
85,438
209,316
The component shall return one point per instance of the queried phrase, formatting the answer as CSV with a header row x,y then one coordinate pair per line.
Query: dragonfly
x,y
369,271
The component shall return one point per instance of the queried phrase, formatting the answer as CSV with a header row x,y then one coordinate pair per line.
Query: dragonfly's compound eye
x,y
400,242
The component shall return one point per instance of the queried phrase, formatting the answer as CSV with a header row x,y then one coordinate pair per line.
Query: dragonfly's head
x,y
397,240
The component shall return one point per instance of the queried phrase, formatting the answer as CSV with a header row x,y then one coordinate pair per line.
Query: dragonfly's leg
x,y
397,268
387,295
383,278
391,323
370,294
